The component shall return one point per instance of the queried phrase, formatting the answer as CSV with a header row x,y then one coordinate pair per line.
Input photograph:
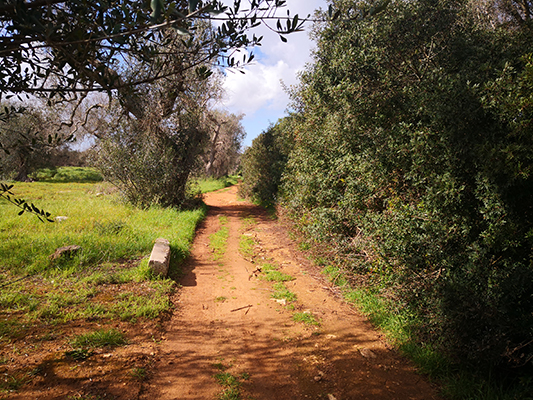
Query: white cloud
x,y
275,61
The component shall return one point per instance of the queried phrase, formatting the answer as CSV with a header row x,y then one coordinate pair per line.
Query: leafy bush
x,y
412,161
264,163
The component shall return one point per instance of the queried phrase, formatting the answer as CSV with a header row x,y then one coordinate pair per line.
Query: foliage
x,y
67,174
264,162
222,152
7,194
412,163
106,230
99,338
64,50
64,47
28,139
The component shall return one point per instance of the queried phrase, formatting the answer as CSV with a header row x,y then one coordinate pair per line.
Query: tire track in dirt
x,y
226,320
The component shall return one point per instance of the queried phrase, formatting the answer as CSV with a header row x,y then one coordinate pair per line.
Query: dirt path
x,y
227,323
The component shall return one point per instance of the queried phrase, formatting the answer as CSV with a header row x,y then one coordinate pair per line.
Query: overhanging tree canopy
x,y
57,46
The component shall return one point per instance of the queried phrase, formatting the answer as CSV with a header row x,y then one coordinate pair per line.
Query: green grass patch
x,y
67,174
276,276
248,222
246,246
99,338
210,184
108,279
306,318
105,228
231,384
281,292
219,240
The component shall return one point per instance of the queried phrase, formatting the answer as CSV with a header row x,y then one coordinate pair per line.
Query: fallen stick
x,y
242,308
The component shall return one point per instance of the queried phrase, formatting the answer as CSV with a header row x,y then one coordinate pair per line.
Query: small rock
x,y
60,218
367,353
331,397
318,378
67,251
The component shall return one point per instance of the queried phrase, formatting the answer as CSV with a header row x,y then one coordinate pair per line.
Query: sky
x,y
258,93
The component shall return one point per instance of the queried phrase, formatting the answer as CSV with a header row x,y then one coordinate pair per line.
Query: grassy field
x,y
108,278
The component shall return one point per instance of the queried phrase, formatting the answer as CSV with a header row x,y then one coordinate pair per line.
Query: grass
x,y
461,383
231,384
67,174
306,318
273,275
246,246
218,240
281,292
106,229
210,184
99,338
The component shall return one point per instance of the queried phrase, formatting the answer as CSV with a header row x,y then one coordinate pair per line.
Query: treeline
x,y
409,156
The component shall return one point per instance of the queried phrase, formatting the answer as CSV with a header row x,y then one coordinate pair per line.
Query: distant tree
x,y
66,49
264,162
222,153
29,139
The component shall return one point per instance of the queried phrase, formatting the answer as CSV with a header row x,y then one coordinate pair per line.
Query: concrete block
x,y
160,257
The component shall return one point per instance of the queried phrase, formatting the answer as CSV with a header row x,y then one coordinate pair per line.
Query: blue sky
x,y
259,93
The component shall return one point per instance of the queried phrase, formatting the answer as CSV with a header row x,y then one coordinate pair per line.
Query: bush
x,y
412,162
264,163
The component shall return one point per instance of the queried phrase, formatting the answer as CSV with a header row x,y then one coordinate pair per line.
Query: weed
x,y
230,393
227,379
304,246
246,246
281,292
220,299
276,276
219,366
79,354
305,317
12,382
99,338
218,242
138,373
231,385
247,222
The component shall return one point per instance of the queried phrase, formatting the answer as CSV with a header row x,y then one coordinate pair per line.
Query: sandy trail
x,y
226,321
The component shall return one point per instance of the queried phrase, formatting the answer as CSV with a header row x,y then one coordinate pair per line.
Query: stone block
x,y
160,257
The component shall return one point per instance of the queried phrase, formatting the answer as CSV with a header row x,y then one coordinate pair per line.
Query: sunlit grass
x,y
281,292
218,240
210,184
106,229
99,338
306,318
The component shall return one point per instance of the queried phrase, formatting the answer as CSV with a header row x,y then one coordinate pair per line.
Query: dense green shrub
x,y
412,159
264,162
